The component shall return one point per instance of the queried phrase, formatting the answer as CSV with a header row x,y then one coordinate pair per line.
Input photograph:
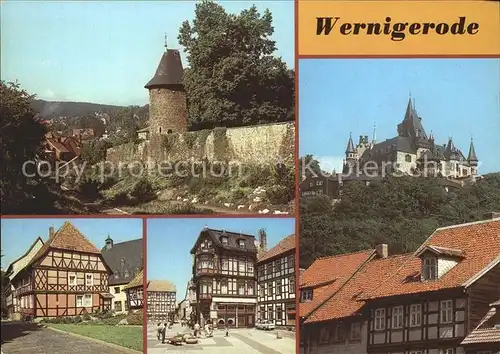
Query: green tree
x,y
308,166
20,141
401,212
94,151
233,77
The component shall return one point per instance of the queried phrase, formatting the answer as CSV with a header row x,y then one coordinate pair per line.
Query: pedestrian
x,y
227,330
196,329
159,329
163,333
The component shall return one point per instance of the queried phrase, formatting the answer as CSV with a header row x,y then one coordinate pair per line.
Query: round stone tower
x,y
167,97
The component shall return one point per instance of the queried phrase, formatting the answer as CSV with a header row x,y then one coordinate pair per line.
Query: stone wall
x,y
260,144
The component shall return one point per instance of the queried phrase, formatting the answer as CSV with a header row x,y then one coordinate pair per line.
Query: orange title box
x,y
398,28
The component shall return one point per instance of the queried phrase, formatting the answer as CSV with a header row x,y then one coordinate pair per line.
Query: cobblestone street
x,y
30,338
240,341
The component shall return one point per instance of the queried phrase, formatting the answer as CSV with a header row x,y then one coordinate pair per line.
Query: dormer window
x,y
306,295
241,243
223,240
429,268
437,261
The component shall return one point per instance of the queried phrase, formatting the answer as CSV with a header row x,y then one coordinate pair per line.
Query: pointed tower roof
x,y
169,73
350,145
411,126
472,152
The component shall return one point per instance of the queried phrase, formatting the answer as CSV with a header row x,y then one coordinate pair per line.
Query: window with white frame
x,y
223,240
89,279
446,313
430,268
397,317
355,333
416,352
72,279
79,300
241,243
415,315
306,295
87,300
379,319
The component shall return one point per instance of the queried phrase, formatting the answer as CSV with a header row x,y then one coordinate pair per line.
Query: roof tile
x,y
285,245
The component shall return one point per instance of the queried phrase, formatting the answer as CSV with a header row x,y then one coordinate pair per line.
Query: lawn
x,y
125,336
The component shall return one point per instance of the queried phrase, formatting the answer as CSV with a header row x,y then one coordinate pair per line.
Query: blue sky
x,y
104,51
170,241
454,97
19,234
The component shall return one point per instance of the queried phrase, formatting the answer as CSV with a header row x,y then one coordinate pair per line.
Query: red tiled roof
x,y
285,245
68,237
346,302
485,332
327,275
57,145
480,244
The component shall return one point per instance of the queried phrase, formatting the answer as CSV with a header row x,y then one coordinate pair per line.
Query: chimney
x,y
491,215
51,232
382,250
263,239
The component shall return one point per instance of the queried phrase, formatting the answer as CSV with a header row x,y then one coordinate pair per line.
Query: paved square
x,y
31,338
240,341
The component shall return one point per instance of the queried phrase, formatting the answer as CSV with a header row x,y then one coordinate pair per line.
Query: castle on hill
x,y
411,152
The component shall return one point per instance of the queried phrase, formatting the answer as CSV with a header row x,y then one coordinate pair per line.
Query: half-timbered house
x,y
330,313
162,301
276,283
135,292
426,302
224,278
14,273
66,277
439,294
125,260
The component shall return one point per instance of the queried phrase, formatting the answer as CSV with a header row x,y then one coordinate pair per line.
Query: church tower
x,y
167,97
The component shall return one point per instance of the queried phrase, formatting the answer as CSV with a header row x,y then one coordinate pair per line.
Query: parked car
x,y
265,325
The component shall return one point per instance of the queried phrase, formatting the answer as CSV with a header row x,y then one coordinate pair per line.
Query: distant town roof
x,y
161,286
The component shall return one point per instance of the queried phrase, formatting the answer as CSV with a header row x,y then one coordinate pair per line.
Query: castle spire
x,y
472,152
350,145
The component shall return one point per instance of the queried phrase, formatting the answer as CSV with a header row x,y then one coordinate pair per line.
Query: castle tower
x,y
472,158
167,97
350,155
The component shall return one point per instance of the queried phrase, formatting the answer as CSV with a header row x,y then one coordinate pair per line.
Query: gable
x,y
21,263
72,260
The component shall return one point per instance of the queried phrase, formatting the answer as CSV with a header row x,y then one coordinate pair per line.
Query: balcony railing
x,y
22,290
